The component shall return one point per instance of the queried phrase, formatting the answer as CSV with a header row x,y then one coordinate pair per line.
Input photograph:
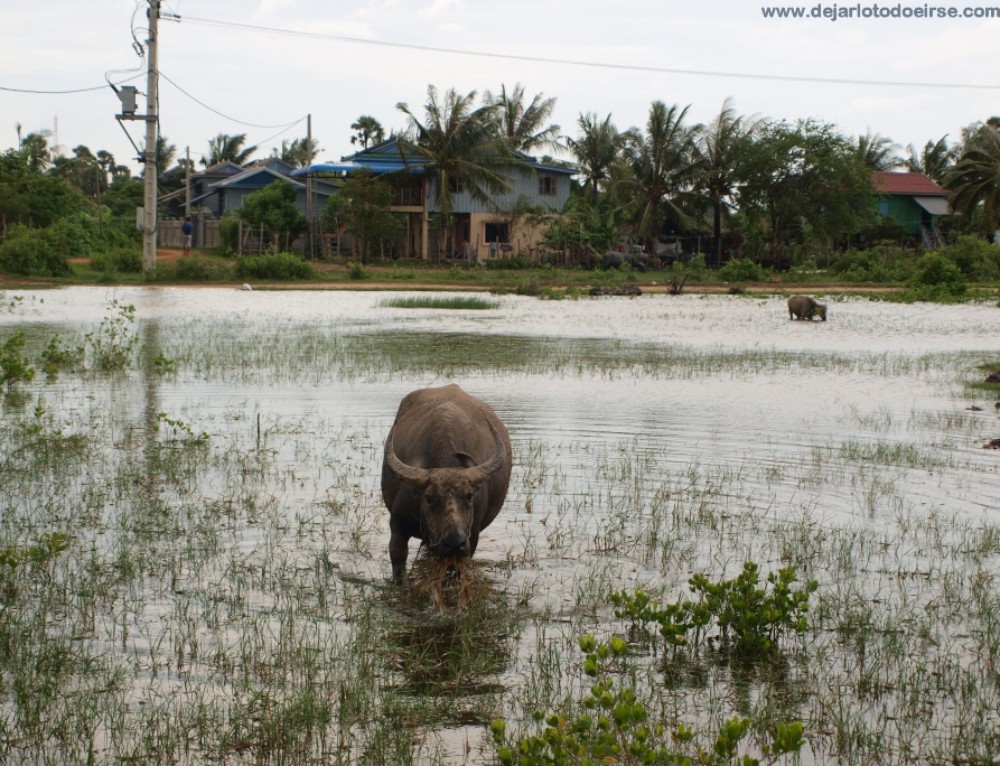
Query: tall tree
x,y
525,125
804,182
460,146
362,208
721,147
226,148
934,160
974,181
367,131
878,152
35,149
661,162
596,149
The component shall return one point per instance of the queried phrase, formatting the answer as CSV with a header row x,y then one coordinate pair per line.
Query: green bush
x,y
120,259
280,266
200,269
938,279
979,260
14,368
229,232
880,264
743,270
34,252
610,724
751,616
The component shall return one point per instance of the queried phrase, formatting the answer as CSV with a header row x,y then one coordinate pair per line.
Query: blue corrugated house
x,y
478,231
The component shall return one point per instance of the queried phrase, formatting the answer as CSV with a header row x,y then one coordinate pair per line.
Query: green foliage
x,y
34,252
121,259
517,263
229,232
56,357
273,207
112,346
936,278
885,263
278,266
179,432
14,368
751,617
610,725
39,554
357,271
198,268
979,260
743,270
361,207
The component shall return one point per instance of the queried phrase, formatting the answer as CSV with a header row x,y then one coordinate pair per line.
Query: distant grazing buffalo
x,y
804,307
445,473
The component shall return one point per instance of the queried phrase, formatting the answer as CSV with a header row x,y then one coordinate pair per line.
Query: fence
x,y
206,233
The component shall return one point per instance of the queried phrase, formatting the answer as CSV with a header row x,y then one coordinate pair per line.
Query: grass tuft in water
x,y
460,302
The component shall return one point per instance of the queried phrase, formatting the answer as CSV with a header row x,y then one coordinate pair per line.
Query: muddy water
x,y
617,407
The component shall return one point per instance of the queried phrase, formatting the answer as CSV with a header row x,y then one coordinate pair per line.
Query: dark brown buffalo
x,y
805,307
445,474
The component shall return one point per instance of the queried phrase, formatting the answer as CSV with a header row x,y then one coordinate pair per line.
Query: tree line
x,y
769,190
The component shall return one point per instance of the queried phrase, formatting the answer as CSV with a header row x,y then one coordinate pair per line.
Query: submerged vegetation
x,y
703,558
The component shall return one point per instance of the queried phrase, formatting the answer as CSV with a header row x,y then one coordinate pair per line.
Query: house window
x,y
546,186
883,209
455,185
497,232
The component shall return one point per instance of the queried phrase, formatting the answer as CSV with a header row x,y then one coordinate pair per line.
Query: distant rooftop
x,y
910,184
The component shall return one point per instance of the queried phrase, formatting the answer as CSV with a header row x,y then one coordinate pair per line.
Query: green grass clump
x,y
455,302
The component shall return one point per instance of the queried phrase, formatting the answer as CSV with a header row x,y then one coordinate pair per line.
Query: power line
x,y
583,63
284,125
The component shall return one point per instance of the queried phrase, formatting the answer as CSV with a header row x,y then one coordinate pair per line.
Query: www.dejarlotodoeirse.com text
x,y
835,11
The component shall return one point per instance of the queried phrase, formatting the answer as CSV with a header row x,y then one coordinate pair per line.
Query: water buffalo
x,y
445,473
804,307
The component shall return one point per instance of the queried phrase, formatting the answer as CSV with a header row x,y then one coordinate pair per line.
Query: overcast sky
x,y
260,66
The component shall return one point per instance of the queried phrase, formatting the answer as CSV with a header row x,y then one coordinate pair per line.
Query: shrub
x,y
279,266
34,252
743,270
120,259
200,269
979,260
611,724
881,264
936,278
14,368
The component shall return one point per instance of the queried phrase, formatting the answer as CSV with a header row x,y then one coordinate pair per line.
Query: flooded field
x,y
193,562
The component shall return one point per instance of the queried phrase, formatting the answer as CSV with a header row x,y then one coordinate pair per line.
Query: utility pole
x,y
309,190
149,155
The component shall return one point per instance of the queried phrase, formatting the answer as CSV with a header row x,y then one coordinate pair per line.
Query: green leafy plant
x,y
751,616
274,266
179,432
112,345
56,357
611,725
14,367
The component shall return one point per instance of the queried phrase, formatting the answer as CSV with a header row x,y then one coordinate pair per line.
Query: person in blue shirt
x,y
187,230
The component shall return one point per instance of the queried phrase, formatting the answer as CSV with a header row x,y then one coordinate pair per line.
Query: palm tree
x,y
975,178
226,148
461,149
877,151
934,160
662,163
523,125
297,152
598,148
720,147
369,131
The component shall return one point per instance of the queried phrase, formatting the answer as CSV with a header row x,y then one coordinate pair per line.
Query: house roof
x,y
907,184
389,157
253,178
